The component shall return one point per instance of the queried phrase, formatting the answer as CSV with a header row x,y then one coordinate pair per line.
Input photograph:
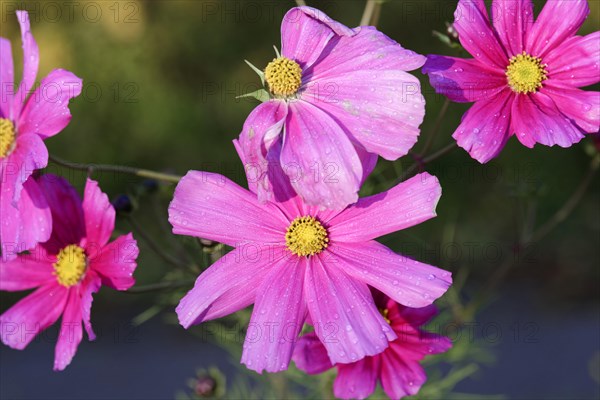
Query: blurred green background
x,y
160,85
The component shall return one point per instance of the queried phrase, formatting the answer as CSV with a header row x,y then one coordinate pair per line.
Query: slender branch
x,y
421,162
368,13
300,3
155,247
153,287
376,14
143,173
436,127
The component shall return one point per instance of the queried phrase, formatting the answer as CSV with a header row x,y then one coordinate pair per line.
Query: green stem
x,y
368,13
436,127
300,3
422,162
153,287
90,168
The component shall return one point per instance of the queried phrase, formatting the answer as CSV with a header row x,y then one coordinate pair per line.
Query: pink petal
x,y
407,281
99,215
230,284
407,204
36,218
513,19
580,106
484,129
67,213
305,32
476,34
462,80
357,380
558,21
21,323
575,61
210,206
29,155
115,262
344,314
310,355
31,60
91,285
7,79
319,158
71,331
10,225
381,110
400,378
27,271
277,318
47,111
535,119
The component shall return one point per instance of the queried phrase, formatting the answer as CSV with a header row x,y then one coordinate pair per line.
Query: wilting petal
x,y
400,378
357,380
115,262
512,19
27,271
31,315
407,281
575,61
90,286
230,284
310,355
476,34
484,129
535,119
580,106
277,318
210,206
558,21
344,314
407,204
71,331
319,158
305,32
7,79
99,215
31,60
47,111
464,80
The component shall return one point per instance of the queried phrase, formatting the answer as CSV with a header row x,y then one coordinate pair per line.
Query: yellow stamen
x,y
306,237
384,313
7,137
526,73
70,265
283,76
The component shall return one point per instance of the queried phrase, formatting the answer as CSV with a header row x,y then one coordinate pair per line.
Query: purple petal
x,y
21,323
7,79
31,60
400,378
407,281
99,215
344,314
47,111
513,19
115,262
558,21
319,158
71,331
210,206
464,81
27,271
476,34
277,318
575,61
310,355
357,380
407,204
484,129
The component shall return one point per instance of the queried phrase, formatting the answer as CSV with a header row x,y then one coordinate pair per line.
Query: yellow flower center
x,y
384,313
306,237
526,73
283,76
70,265
7,137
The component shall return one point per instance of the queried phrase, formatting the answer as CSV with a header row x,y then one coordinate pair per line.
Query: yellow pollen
x,y
384,313
283,76
306,237
70,265
7,137
526,73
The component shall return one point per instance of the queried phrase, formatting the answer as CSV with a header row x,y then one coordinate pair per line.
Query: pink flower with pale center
x,y
525,76
296,262
25,122
339,98
397,367
67,269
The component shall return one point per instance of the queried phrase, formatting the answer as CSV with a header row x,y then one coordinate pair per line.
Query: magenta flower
x,y
25,122
339,98
397,367
525,76
66,270
294,261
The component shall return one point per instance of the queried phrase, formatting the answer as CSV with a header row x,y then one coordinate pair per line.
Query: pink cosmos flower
x,y
25,122
66,270
525,76
339,98
397,367
294,261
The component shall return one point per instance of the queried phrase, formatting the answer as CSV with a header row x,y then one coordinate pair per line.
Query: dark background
x,y
160,86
